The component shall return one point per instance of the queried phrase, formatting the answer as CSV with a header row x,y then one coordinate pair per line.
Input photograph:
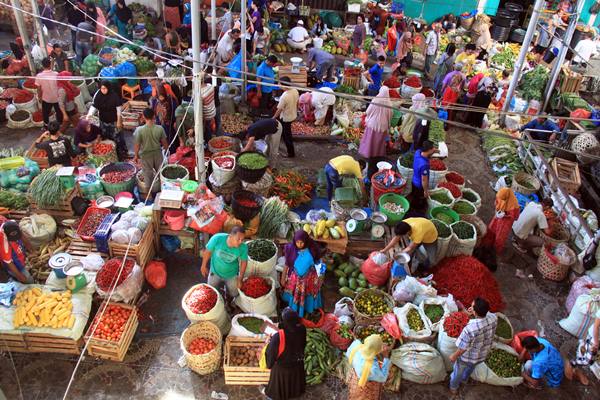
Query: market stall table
x,y
161,228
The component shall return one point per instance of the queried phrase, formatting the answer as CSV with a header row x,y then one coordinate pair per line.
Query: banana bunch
x,y
325,229
38,309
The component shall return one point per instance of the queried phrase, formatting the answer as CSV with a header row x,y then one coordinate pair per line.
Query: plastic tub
x,y
113,189
393,218
175,219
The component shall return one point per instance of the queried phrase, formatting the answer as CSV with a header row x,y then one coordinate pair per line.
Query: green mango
x,y
360,289
339,273
352,283
344,291
362,283
343,281
361,277
349,268
355,273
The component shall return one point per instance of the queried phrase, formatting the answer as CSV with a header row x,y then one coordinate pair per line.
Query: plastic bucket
x,y
175,219
393,218
169,183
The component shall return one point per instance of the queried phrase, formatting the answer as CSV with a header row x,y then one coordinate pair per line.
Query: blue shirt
x,y
376,73
267,75
547,364
379,372
420,169
546,126
236,65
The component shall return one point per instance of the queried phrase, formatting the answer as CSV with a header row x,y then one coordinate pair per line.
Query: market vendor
x,y
225,46
228,256
268,129
86,135
343,165
541,129
12,251
532,217
58,147
421,231
468,56
323,61
298,37
546,365
370,367
420,180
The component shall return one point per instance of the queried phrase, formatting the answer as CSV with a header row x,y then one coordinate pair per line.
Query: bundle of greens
x,y
273,215
533,83
46,189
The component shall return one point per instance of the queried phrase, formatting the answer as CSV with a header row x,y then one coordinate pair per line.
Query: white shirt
x,y
531,216
225,45
584,50
298,34
432,43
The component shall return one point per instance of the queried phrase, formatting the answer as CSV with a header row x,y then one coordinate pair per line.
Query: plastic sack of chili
x,y
516,342
329,322
337,340
309,324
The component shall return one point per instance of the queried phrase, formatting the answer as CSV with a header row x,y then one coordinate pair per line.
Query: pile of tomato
x,y
111,324
201,346
102,148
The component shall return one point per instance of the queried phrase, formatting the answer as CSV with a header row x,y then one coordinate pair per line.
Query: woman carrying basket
x,y
369,370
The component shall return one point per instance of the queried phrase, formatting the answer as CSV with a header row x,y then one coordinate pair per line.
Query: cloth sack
x,y
265,305
218,315
582,285
446,345
409,287
238,330
484,374
419,362
39,229
582,314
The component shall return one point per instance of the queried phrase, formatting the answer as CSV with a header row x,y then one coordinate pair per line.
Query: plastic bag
x,y
130,287
129,215
424,334
579,287
140,223
582,314
446,345
330,321
309,324
407,289
170,243
120,225
389,322
135,235
344,307
337,340
156,274
376,268
346,320
516,342
120,236
92,262
441,301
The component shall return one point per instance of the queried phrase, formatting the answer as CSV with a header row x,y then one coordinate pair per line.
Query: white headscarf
x,y
378,118
419,102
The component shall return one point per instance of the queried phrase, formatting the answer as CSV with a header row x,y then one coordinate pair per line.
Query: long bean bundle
x,y
273,215
46,189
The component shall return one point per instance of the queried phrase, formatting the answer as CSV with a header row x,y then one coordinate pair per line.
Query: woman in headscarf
x,y
369,369
108,104
507,211
66,100
285,358
86,135
122,16
377,125
482,100
451,95
299,278
404,49
164,106
445,64
359,35
472,88
409,121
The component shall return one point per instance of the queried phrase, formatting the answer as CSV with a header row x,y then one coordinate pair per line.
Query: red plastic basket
x,y
88,213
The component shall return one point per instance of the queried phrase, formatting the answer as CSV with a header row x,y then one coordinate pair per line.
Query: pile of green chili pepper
x,y
503,329
253,161
261,250
504,364
463,230
463,207
442,229
251,324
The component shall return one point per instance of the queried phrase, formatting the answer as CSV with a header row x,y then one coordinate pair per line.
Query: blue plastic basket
x,y
103,232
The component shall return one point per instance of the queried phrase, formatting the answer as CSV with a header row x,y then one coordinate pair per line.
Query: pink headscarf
x,y
378,118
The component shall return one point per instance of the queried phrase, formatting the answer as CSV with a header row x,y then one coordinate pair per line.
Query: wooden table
x,y
161,228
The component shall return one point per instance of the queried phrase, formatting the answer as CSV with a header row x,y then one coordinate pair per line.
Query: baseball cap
x,y
12,231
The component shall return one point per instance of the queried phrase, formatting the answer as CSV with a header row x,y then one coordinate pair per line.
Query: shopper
x,y
474,343
122,17
472,88
323,61
262,40
12,251
47,91
342,165
320,28
359,34
67,92
422,232
108,104
546,364
298,37
374,76
507,211
541,129
172,40
404,50
57,147
369,368
225,46
299,280
150,141
228,256
485,93
86,135
172,11
584,50
444,65
532,218
285,359
287,112
84,40
255,16
433,44
74,18
270,131
47,18
164,106
420,180
451,96
265,75
410,120
586,353
60,60
468,56
377,126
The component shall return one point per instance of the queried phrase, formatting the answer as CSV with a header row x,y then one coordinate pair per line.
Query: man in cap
x,y
298,37
12,252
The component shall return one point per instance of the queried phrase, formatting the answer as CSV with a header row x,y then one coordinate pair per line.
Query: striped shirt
x,y
477,338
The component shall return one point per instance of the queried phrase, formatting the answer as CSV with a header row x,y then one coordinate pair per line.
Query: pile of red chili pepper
x,y
101,149
37,116
117,176
18,96
455,322
413,81
255,287
107,275
225,162
466,278
220,143
437,165
292,188
202,299
91,223
456,178
454,190
29,83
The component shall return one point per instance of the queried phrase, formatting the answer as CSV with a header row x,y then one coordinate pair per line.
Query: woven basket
x,y
479,225
524,177
207,363
363,319
358,328
561,233
551,270
262,187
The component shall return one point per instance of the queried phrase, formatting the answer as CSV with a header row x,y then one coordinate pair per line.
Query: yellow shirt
x,y
422,230
346,165
463,58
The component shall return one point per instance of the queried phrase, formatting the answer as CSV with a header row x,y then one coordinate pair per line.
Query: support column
x,y
197,93
23,33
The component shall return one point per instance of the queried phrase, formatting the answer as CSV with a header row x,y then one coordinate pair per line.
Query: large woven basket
x,y
207,363
525,177
364,319
561,235
358,328
479,225
549,269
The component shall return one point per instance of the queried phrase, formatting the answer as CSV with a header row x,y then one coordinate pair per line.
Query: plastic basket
x,y
393,218
207,363
243,212
103,232
87,215
249,175
113,189
446,211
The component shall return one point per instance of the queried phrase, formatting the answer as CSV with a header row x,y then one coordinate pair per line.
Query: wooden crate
x,y
18,215
45,343
110,350
297,78
132,113
567,173
243,375
78,249
62,209
13,343
41,161
570,82
143,252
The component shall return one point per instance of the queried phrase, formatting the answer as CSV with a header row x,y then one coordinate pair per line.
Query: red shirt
x,y
6,249
450,97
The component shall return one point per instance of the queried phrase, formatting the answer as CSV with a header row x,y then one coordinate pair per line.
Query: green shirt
x,y
224,260
148,138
